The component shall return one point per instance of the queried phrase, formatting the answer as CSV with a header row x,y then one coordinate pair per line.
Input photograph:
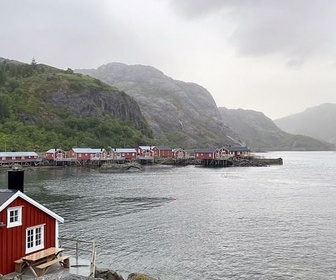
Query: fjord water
x,y
276,222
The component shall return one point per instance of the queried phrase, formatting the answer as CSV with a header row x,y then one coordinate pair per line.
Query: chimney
x,y
15,179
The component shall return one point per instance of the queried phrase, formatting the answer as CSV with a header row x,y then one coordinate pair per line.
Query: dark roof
x,y
163,148
238,149
5,195
205,150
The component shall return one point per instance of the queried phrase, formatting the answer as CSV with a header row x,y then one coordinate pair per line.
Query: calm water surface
x,y
275,222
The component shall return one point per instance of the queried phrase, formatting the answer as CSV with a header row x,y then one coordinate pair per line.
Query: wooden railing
x,y
80,247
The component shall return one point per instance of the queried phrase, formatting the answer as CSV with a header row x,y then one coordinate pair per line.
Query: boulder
x,y
139,276
107,274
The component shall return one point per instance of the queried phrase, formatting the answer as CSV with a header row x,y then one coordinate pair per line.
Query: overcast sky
x,y
273,56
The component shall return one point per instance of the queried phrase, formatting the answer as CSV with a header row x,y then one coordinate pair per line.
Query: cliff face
x,y
180,114
97,103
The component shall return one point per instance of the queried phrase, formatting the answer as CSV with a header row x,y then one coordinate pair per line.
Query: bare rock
x,y
139,276
107,274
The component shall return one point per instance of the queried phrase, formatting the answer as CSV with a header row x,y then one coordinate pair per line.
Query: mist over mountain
x,y
43,107
262,134
186,115
180,114
318,122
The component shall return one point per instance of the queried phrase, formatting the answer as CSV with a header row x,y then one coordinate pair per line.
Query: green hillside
x,y
43,107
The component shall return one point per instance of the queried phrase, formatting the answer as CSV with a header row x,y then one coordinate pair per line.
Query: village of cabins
x,y
27,227
143,154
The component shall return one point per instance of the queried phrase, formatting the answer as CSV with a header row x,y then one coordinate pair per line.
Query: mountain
x,y
180,114
318,122
42,107
261,133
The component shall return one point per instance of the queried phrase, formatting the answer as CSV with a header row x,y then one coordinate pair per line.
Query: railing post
x,y
76,253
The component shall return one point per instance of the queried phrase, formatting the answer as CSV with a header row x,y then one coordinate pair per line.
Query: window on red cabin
x,y
14,216
34,238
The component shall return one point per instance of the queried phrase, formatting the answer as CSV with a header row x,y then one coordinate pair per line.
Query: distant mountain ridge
x,y
318,122
262,134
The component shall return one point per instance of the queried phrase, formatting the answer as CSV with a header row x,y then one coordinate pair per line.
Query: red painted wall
x,y
51,156
13,240
204,155
162,153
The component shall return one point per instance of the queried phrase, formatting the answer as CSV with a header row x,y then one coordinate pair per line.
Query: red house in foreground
x,y
25,225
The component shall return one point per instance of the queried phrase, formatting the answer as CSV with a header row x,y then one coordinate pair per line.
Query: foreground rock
x,y
100,274
139,276
107,274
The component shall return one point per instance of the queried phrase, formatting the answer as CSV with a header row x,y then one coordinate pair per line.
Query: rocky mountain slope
x,y
42,107
186,115
318,122
261,133
180,114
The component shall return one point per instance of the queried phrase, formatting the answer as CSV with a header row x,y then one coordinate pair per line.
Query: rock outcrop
x,y
107,274
139,276
96,103
180,114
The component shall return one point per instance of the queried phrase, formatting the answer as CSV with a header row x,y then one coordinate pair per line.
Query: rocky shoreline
x,y
100,274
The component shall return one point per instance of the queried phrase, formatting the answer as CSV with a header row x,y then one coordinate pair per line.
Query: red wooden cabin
x,y
125,153
239,151
25,225
179,153
87,154
205,153
55,154
222,153
145,152
162,152
19,158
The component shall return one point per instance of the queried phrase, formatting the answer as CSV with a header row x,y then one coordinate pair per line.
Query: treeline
x,y
28,122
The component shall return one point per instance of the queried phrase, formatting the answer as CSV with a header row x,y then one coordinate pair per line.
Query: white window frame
x,y
34,238
18,216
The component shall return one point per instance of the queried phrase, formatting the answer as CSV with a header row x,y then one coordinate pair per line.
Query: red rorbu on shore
x,y
25,225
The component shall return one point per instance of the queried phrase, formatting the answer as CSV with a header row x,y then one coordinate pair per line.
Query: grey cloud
x,y
61,32
297,29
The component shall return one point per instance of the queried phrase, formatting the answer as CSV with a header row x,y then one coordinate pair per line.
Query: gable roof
x,y
87,150
238,149
5,195
145,147
125,150
18,154
8,196
205,150
54,150
163,148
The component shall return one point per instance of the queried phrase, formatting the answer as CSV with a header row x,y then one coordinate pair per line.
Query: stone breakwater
x,y
255,161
